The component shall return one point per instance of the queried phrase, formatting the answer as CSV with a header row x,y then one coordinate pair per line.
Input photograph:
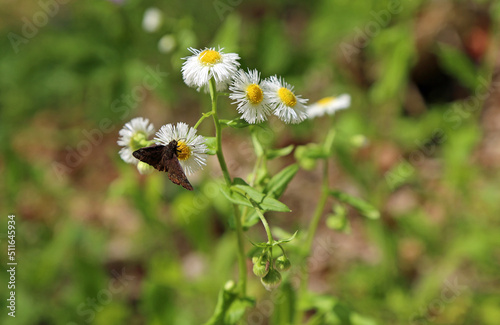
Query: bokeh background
x,y
422,78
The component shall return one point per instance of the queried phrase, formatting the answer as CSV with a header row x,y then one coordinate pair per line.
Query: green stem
x,y
220,156
266,226
318,212
252,182
203,116
268,231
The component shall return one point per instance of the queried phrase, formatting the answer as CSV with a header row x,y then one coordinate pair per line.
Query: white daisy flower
x,y
290,108
329,105
247,92
152,19
134,135
206,64
191,148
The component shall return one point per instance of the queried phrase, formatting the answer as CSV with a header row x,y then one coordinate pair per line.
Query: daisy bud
x,y
261,268
272,280
282,263
230,285
261,264
144,169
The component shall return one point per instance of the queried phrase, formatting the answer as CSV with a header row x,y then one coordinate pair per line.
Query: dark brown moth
x,y
164,158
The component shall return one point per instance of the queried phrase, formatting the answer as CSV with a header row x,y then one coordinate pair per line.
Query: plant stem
x,y
319,210
220,156
204,116
313,226
266,226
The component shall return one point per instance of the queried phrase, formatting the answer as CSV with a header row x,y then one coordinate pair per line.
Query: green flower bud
x,y
261,268
272,280
144,169
282,263
230,285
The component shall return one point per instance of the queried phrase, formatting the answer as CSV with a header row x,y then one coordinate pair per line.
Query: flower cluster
x,y
256,99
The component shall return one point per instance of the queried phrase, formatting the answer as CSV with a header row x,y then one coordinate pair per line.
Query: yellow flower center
x,y
209,57
287,97
326,100
254,94
183,150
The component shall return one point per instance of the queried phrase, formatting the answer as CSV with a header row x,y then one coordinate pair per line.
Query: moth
x,y
164,159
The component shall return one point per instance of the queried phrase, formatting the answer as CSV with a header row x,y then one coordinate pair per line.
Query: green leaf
x,y
282,241
259,150
338,220
224,302
270,204
252,193
229,33
211,143
362,206
308,154
259,198
278,183
235,198
458,64
237,310
230,308
275,153
251,219
236,123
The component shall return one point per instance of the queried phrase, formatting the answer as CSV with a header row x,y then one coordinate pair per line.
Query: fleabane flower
x,y
209,63
191,148
247,92
329,105
133,136
290,108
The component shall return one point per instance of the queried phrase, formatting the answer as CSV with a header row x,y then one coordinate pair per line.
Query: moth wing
x,y
176,174
153,156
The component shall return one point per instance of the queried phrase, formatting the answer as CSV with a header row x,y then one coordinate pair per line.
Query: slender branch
x,y
203,116
266,226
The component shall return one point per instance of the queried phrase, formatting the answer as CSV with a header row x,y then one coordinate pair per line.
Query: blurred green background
x,y
72,74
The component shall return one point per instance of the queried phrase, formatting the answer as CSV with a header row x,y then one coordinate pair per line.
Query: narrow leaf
x,y
270,204
236,123
362,206
235,198
275,153
278,183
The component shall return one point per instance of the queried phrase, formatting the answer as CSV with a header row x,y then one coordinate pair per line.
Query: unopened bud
x,y
261,268
282,263
144,169
272,280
